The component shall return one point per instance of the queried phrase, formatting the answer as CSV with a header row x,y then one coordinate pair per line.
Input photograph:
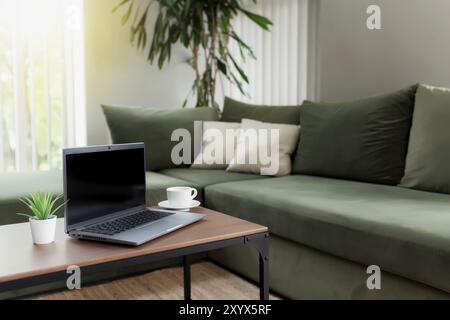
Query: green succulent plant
x,y
41,205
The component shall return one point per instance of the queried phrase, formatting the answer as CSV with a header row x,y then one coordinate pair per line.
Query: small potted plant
x,y
43,220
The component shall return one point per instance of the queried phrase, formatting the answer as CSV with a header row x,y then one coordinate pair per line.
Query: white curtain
x,y
279,75
42,107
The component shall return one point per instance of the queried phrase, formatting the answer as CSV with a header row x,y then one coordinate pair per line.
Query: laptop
x,y
105,191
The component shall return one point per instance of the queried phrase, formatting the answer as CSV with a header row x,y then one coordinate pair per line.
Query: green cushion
x,y
235,111
404,231
428,159
203,178
17,185
364,140
157,184
154,127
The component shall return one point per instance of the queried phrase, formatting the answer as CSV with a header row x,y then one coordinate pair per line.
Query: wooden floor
x,y
209,282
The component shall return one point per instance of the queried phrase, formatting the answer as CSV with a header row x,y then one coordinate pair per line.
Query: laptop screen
x,y
102,183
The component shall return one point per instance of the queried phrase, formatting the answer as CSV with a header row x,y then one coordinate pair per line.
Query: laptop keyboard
x,y
122,224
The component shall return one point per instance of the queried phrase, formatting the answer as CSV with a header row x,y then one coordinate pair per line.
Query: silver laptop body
x,y
104,187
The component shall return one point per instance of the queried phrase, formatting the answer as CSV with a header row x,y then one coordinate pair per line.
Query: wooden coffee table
x,y
23,264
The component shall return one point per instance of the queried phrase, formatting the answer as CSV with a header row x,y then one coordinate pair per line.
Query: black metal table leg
x,y
187,277
261,242
263,277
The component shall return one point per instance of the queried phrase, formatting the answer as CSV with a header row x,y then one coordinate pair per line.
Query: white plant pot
x,y
43,231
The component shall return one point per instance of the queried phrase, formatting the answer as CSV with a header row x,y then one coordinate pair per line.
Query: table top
x,y
20,258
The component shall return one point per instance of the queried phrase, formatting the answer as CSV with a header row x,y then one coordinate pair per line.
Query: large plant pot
x,y
43,231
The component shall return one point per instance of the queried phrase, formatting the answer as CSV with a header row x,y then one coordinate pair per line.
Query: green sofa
x,y
325,232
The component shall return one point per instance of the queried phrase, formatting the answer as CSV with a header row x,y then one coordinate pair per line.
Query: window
x,y
42,107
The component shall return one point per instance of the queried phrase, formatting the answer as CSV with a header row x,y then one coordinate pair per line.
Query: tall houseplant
x,y
202,26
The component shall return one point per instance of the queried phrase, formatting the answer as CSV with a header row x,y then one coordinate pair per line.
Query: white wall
x,y
413,46
117,74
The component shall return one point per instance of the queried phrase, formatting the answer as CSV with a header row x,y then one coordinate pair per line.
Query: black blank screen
x,y
101,183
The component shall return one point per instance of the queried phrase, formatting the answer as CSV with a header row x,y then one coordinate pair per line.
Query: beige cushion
x,y
218,145
265,148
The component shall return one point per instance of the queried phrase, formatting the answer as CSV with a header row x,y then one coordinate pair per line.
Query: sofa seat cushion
x,y
403,231
202,178
157,184
14,186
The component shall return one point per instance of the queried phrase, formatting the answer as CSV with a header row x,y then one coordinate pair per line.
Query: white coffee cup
x,y
181,197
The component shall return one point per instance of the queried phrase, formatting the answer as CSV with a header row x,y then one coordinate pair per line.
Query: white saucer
x,y
166,205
